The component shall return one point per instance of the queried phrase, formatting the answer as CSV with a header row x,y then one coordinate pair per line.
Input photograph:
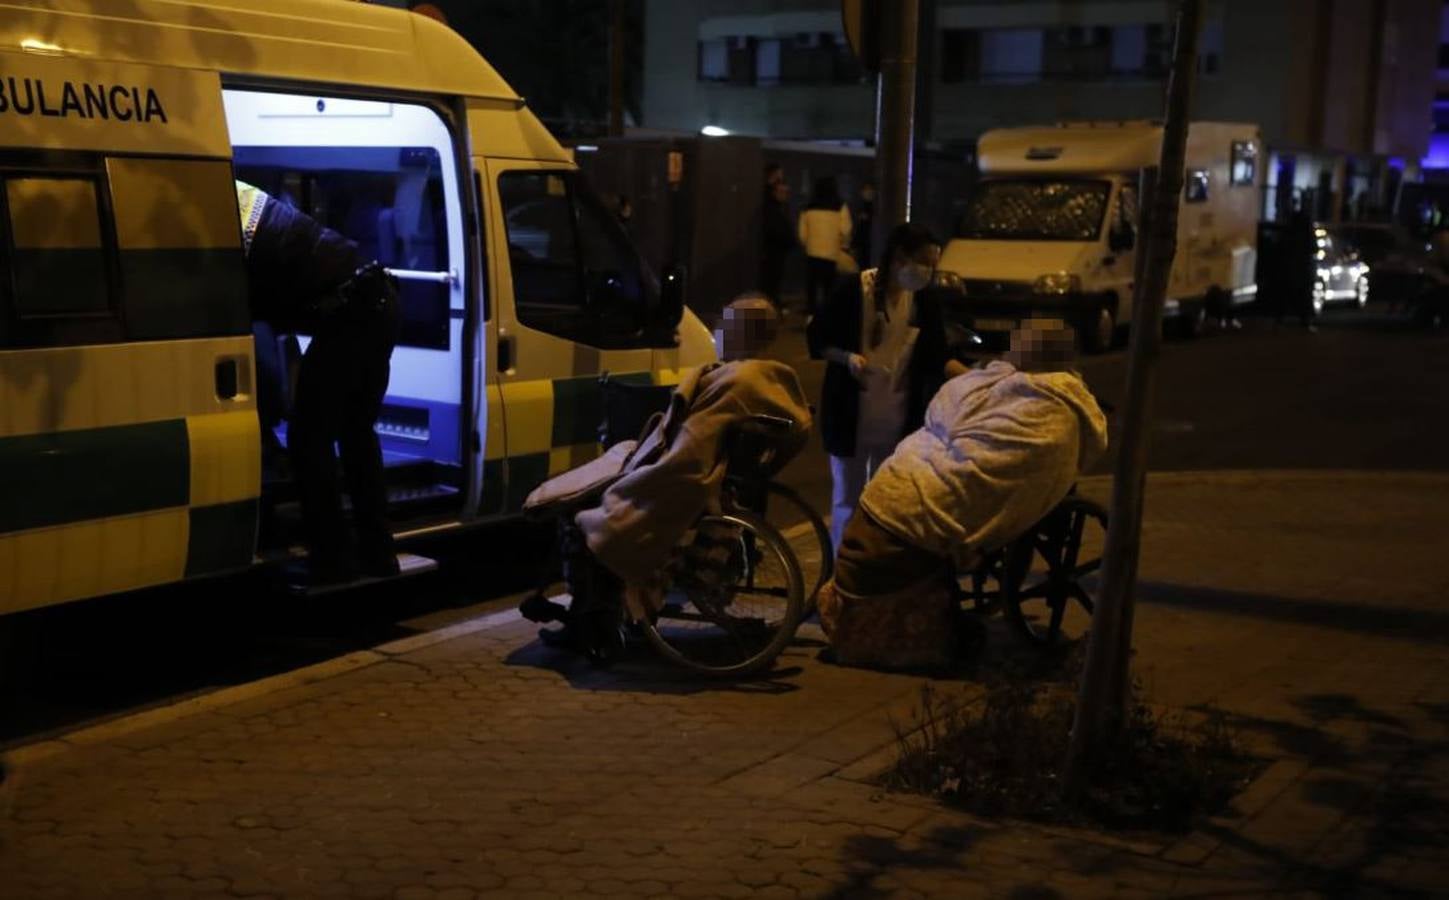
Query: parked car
x,y
1396,259
1342,275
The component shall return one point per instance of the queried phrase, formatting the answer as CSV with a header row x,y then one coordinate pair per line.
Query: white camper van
x,y
130,440
1052,225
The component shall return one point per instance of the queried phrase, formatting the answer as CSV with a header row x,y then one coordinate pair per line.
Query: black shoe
x,y
540,609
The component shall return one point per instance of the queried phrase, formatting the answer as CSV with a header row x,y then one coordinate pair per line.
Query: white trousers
x,y
848,475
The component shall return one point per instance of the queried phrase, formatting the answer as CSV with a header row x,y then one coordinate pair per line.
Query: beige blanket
x,y
675,474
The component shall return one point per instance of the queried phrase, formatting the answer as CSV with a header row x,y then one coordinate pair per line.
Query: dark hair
x,y
908,238
826,194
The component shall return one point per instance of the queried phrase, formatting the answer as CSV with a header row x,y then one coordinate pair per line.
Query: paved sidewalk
x,y
1309,606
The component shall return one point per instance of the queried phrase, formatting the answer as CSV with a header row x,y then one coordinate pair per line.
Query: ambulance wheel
x,y
1099,331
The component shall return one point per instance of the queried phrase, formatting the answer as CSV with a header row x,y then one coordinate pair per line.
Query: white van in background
x,y
1052,226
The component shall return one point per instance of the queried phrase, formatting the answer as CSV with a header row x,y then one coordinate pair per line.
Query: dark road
x,y
1364,393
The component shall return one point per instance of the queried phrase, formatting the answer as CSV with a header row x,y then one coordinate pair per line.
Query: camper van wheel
x,y
1099,331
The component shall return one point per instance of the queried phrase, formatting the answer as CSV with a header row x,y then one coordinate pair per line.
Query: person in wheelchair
x,y
1001,446
632,506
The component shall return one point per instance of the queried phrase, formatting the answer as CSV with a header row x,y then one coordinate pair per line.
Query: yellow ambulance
x,y
130,439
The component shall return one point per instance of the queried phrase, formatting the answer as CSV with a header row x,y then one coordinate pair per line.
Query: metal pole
x,y
895,129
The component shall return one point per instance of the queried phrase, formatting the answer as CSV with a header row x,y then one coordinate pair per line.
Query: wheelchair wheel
x,y
1050,602
732,601
789,513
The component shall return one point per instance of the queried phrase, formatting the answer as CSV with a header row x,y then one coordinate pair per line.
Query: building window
x,y
729,59
1197,186
1011,54
1077,52
1245,163
1210,48
817,57
960,55
714,60
767,62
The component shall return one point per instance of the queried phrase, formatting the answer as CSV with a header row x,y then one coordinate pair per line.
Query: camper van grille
x,y
984,287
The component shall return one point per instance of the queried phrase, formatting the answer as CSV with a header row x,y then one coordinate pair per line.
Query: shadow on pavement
x,y
640,671
1418,625
1377,801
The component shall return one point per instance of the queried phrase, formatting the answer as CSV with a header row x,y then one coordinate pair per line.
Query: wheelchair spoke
x,y
1073,547
1059,609
1084,598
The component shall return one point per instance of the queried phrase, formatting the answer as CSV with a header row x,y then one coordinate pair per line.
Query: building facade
x,y
1340,88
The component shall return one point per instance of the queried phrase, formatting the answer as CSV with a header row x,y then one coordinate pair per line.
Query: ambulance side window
x,y
574,275
57,257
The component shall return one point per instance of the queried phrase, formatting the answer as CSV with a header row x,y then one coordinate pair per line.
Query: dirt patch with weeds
x,y
1002,756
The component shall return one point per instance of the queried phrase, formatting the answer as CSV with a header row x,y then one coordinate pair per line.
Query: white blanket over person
x,y
1000,447
675,473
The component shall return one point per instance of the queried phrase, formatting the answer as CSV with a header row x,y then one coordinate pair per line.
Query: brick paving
x,y
1308,607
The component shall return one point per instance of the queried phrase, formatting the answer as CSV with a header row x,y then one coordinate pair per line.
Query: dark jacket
x,y
777,231
839,326
293,264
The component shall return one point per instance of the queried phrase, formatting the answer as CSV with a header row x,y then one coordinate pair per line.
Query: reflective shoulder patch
x,y
250,201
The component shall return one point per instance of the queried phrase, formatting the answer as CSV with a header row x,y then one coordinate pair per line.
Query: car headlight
x,y
949,281
1057,283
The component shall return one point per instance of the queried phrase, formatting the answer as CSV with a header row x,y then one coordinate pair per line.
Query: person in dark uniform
x,y
777,234
1300,261
306,278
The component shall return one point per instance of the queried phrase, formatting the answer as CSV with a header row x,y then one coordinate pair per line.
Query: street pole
x,y
895,116
616,68
1102,698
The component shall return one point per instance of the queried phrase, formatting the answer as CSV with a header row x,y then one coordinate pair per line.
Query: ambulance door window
x,y
543,253
58,257
575,275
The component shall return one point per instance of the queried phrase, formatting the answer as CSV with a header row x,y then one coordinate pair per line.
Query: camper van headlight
x,y
1057,283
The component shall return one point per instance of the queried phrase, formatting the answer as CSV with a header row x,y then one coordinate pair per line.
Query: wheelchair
x,y
1039,581
729,599
628,408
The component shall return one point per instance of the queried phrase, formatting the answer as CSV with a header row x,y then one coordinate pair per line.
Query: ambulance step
x,y
409,565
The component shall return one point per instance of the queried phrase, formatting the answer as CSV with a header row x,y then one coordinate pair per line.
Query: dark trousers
x,y
340,386
819,282
772,275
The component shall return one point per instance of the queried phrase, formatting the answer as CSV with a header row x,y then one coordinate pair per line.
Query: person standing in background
x,y
884,338
777,238
825,231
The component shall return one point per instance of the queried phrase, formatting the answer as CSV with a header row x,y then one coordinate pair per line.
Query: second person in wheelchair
x,y
1001,446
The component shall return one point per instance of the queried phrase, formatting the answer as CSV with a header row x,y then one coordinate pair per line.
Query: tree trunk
x,y
1102,698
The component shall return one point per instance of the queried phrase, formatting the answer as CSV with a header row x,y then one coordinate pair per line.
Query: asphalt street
x,y
1365,393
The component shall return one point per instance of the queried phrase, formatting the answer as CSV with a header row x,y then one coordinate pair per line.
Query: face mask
x,y
913,277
